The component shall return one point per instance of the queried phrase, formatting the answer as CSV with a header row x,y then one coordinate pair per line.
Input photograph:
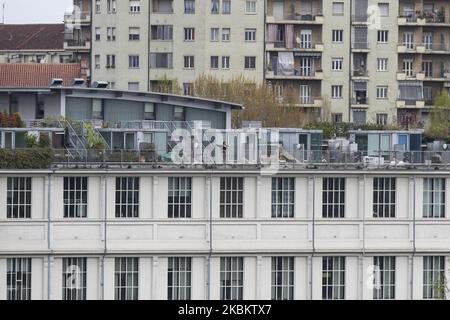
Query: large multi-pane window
x,y
434,198
384,197
18,278
127,197
333,198
74,279
231,278
189,6
333,278
75,197
434,277
179,278
384,278
283,195
18,198
282,278
126,278
231,197
180,199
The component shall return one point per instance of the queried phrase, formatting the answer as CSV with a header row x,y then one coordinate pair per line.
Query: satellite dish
x,y
445,146
298,40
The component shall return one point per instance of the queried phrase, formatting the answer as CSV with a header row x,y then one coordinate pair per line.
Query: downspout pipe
x,y
49,222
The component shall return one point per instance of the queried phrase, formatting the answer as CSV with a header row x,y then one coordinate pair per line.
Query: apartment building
x,y
137,43
359,61
184,233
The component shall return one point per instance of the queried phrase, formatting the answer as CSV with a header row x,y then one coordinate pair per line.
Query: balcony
x,y
410,75
77,44
162,6
281,46
410,104
360,102
310,102
411,48
360,73
360,19
360,46
316,18
420,18
436,48
298,74
77,18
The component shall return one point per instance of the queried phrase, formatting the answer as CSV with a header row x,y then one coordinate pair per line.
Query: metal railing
x,y
360,100
360,45
77,43
437,46
300,159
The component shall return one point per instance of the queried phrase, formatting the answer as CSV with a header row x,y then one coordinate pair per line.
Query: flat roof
x,y
130,94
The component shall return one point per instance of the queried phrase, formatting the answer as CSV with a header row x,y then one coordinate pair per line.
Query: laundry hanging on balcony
x,y
285,63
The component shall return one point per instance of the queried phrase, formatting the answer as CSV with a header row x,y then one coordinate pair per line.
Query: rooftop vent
x,y
77,82
56,82
100,84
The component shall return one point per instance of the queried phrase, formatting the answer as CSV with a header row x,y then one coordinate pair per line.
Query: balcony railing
x,y
301,159
360,45
302,17
77,43
80,15
360,17
437,46
428,17
360,73
360,100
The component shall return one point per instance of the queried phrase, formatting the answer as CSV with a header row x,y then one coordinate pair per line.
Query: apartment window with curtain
x,y
384,278
250,62
382,118
161,60
135,6
74,279
282,278
382,92
214,64
382,64
337,36
126,279
110,61
180,197
215,5
134,34
283,197
384,197
383,36
338,8
133,62
127,197
214,34
333,198
133,86
336,64
162,32
188,88
189,6
434,277
226,62
18,278
383,9
18,194
250,6
336,92
179,278
434,197
189,62
97,61
226,32
231,278
97,33
75,197
189,34
98,6
111,34
226,6
333,278
250,35
231,197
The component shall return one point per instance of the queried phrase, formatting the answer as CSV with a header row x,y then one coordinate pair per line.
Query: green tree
x,y
438,127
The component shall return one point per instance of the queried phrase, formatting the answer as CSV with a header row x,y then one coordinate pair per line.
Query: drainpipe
x,y
105,248
313,235
49,221
350,65
414,239
210,234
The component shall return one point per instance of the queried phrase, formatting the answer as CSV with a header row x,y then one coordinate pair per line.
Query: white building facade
x,y
172,233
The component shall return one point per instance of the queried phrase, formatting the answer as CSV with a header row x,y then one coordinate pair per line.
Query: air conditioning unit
x,y
100,84
77,82
56,82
